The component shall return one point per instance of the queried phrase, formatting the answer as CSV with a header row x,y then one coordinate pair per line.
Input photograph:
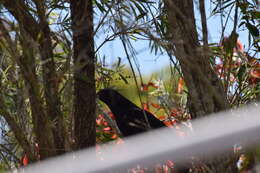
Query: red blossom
x,y
111,115
152,85
158,169
105,123
25,160
114,136
145,106
157,106
99,122
255,73
144,87
162,117
170,123
180,85
107,129
175,112
239,46
119,141
170,163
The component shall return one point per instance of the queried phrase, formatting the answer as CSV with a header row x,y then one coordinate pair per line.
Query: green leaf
x,y
227,5
215,10
252,29
241,73
123,78
242,23
245,17
256,14
100,7
133,9
140,9
119,62
146,1
140,16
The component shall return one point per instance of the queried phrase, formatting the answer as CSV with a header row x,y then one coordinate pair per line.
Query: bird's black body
x,y
130,118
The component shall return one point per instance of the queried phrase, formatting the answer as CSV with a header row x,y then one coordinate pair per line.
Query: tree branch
x,y
18,132
20,11
204,23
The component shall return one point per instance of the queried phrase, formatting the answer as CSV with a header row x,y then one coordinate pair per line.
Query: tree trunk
x,y
40,121
84,73
40,32
205,91
50,80
42,126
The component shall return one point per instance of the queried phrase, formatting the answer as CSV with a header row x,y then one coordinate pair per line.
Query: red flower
x,y
152,85
180,85
170,163
144,87
111,115
155,105
114,136
25,160
107,129
145,106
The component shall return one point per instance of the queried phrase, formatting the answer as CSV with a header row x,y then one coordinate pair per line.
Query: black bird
x,y
130,119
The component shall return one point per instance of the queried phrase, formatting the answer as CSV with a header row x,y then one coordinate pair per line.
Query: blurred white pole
x,y
211,136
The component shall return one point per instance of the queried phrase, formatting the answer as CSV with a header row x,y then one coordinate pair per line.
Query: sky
x,y
149,62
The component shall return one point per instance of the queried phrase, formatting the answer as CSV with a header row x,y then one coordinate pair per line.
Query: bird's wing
x,y
137,117
153,121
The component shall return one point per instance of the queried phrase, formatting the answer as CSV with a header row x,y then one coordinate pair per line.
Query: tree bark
x,y
42,126
50,79
40,32
206,93
40,121
84,73
18,132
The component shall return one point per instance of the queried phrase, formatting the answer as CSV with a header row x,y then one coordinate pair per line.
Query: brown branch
x,y
206,94
204,23
235,17
40,32
50,79
27,64
18,132
39,116
21,12
4,159
9,151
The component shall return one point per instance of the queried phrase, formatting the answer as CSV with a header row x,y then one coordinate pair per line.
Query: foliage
x,y
24,80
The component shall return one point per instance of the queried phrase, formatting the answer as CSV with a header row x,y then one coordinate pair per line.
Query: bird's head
x,y
114,100
108,95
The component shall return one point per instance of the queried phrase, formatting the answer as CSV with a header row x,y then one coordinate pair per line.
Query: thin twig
x,y
204,23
